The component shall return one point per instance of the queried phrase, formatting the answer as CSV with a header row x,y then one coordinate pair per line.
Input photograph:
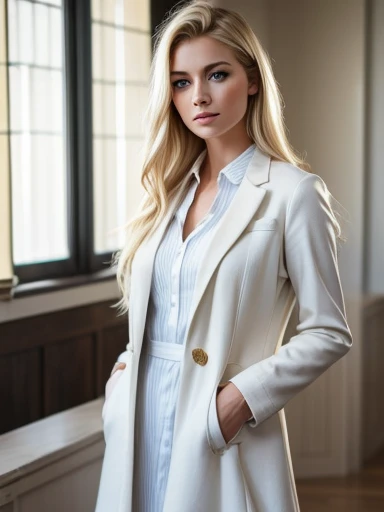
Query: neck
x,y
222,150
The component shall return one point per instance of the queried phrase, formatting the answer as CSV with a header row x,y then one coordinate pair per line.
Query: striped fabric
x,y
173,281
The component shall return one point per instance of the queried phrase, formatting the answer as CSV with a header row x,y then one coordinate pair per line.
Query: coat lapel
x,y
243,207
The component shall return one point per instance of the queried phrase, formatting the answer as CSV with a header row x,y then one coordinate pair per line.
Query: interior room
x,y
74,86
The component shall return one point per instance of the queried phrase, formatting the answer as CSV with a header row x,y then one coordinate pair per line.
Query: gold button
x,y
200,356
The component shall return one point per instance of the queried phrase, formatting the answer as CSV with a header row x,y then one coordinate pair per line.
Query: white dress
x,y
174,274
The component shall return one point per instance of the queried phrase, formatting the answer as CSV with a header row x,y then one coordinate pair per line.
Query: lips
x,y
205,114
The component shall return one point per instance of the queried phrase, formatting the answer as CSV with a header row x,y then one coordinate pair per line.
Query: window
x,y
73,87
77,76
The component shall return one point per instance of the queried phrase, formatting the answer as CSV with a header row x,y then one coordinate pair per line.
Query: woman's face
x,y
199,86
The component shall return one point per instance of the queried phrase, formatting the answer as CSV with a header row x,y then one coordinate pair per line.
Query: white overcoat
x,y
275,244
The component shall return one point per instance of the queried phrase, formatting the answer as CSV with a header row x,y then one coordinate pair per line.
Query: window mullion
x,y
81,114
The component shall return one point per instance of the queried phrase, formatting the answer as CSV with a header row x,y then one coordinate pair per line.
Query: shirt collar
x,y
235,170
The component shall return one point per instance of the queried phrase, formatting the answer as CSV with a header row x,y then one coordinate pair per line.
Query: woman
x,y
232,231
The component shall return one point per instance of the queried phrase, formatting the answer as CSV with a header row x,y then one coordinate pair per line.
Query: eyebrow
x,y
206,68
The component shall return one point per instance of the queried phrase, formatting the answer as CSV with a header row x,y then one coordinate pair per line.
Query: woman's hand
x,y
118,367
232,410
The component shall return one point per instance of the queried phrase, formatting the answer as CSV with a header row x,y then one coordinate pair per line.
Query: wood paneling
x,y
373,378
52,362
51,327
20,389
70,371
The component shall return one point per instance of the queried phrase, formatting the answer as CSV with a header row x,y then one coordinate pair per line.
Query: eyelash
x,y
224,73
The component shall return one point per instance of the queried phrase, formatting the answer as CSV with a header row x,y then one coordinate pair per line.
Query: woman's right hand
x,y
114,377
117,366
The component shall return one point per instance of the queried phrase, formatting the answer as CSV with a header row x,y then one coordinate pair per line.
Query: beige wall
x,y
256,12
317,49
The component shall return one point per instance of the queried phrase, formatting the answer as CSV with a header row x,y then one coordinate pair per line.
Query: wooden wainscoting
x,y
51,362
373,377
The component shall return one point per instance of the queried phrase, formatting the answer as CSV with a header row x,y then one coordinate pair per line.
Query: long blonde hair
x,y
170,147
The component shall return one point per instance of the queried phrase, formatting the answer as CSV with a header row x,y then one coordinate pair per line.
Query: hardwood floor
x,y
362,492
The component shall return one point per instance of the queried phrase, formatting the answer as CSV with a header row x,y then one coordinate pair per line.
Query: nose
x,y
200,94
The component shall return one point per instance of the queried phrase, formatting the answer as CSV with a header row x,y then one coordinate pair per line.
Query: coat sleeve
x,y
323,335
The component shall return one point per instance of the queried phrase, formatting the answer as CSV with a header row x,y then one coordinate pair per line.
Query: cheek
x,y
235,98
179,105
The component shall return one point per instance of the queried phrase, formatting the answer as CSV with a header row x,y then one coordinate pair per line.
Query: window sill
x,y
53,285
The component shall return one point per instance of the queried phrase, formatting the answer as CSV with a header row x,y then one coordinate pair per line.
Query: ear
x,y
253,87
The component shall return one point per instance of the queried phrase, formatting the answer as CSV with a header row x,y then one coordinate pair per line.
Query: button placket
x,y
175,284
176,267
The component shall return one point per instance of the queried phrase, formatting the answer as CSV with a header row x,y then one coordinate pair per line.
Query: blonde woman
x,y
232,232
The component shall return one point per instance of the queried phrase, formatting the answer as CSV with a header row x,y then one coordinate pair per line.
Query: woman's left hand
x,y
232,410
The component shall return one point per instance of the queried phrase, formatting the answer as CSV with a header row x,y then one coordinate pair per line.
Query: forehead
x,y
198,52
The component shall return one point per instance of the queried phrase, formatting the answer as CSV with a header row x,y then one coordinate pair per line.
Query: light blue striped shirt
x,y
176,262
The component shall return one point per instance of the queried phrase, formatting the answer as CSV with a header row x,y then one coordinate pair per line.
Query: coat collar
x,y
243,207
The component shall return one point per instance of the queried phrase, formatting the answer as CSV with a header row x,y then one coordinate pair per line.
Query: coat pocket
x,y
109,387
215,436
230,371
263,224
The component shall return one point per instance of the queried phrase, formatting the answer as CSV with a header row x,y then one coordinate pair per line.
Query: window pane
x,y
136,14
37,106
121,54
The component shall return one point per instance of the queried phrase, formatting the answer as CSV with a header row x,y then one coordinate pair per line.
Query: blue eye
x,y
177,82
223,74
